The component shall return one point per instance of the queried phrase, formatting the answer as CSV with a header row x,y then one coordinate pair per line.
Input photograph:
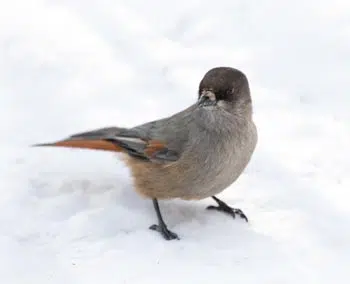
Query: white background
x,y
72,216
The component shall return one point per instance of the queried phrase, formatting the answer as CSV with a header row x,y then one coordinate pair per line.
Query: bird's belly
x,y
213,182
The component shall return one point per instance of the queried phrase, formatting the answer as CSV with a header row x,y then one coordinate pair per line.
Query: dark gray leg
x,y
161,227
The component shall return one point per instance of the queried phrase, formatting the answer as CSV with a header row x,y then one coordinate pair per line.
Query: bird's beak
x,y
207,98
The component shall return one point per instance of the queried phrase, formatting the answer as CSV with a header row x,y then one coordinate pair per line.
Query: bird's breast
x,y
216,161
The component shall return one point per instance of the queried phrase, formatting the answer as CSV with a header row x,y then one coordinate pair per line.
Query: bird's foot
x,y
223,207
163,230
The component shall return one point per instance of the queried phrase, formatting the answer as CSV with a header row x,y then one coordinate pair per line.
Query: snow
x,y
72,216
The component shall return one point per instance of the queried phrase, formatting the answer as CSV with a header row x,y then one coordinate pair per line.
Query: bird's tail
x,y
93,140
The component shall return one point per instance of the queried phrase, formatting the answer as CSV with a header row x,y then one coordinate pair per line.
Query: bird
x,y
193,154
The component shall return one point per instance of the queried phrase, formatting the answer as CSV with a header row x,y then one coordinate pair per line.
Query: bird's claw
x,y
163,230
229,210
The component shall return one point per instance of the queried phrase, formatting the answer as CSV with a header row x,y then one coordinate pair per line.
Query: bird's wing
x,y
142,142
159,141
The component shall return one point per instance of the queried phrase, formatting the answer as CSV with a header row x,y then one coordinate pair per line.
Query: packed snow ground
x,y
70,216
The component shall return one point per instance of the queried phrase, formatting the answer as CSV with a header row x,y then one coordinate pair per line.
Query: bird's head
x,y
224,87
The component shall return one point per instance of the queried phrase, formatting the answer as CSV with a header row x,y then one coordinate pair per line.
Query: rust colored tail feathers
x,y
94,140
118,140
84,144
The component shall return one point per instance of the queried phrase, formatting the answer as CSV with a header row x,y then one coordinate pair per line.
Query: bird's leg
x,y
161,227
222,206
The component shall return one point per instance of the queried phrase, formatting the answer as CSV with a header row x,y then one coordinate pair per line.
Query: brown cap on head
x,y
227,83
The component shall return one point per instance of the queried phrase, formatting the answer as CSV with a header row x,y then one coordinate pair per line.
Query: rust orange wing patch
x,y
157,150
153,147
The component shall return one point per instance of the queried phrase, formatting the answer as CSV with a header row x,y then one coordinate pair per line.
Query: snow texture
x,y
72,216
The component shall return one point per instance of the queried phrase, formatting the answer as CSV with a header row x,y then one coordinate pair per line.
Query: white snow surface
x,y
72,216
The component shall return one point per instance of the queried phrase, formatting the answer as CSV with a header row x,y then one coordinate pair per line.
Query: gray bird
x,y
191,155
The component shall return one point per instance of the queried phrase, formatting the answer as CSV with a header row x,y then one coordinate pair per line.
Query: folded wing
x,y
130,141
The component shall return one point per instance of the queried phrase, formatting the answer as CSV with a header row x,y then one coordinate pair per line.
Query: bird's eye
x,y
230,91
